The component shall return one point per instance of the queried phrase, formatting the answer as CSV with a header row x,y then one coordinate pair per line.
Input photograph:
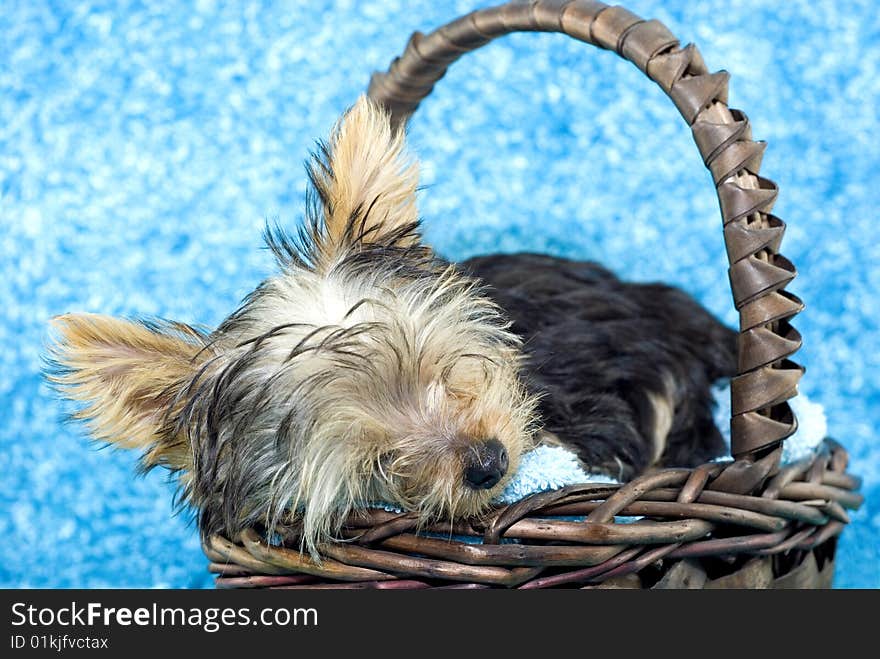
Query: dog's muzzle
x,y
485,465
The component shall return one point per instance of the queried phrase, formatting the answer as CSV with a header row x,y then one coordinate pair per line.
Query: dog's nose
x,y
485,465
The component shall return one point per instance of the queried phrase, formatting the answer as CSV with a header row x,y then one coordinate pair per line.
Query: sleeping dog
x,y
368,368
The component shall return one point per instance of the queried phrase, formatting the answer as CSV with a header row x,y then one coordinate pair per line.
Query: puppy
x,y
369,369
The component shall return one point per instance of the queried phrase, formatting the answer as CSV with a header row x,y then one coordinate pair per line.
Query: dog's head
x,y
366,370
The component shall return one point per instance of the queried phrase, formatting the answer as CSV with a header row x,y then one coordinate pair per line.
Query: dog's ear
x,y
128,377
365,182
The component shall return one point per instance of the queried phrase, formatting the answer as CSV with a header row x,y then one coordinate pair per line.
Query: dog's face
x,y
367,370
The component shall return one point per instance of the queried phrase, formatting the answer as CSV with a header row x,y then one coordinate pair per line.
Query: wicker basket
x,y
746,523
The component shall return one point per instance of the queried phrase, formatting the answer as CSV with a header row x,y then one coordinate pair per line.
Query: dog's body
x,y
623,371
369,369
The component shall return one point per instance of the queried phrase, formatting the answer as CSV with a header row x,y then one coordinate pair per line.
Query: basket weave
x,y
747,523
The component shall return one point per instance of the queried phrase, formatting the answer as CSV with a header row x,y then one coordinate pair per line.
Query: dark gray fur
x,y
596,345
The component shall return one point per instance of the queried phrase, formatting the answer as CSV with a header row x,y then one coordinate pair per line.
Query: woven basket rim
x,y
802,506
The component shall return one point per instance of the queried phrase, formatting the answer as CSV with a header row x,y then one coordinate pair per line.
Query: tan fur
x,y
127,376
368,170
663,414
663,405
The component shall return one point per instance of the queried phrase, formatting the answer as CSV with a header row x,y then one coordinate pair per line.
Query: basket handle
x,y
766,379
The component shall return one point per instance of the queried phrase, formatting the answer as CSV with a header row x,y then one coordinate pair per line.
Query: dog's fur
x,y
624,371
369,369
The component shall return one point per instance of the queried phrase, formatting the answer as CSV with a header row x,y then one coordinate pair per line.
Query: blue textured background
x,y
143,145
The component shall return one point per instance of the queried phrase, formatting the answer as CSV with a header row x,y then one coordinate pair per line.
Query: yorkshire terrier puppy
x,y
370,369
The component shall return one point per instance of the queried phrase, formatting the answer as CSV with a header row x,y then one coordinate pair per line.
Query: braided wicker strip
x,y
536,542
761,417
